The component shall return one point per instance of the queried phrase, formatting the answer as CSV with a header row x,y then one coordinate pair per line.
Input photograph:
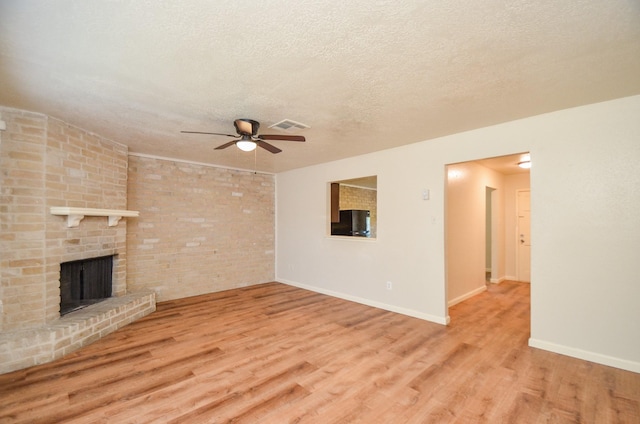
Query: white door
x,y
524,235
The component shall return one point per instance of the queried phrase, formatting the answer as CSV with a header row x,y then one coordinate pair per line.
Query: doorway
x,y
482,235
523,256
490,236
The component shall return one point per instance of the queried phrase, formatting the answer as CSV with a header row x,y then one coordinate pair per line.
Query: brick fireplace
x,y
47,163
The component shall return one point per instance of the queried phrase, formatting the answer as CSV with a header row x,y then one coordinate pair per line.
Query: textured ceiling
x,y
365,75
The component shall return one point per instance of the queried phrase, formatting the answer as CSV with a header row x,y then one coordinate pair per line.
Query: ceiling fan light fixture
x,y
246,145
247,129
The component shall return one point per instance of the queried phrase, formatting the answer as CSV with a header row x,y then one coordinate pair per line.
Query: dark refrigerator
x,y
353,222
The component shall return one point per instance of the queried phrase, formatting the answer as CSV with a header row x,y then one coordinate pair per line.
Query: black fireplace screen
x,y
85,282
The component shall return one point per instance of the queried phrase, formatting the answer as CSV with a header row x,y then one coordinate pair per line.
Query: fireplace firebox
x,y
85,282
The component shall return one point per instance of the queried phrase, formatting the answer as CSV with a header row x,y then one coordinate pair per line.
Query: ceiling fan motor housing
x,y
246,126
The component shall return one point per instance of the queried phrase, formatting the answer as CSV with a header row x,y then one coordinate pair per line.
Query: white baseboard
x,y
368,302
598,358
466,296
497,280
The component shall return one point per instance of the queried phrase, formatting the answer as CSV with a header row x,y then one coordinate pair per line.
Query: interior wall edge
x,y
598,358
387,307
466,296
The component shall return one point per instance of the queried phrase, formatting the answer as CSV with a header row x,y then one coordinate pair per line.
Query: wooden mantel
x,y
75,215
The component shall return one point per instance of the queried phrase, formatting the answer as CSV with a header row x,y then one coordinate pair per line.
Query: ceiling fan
x,y
247,129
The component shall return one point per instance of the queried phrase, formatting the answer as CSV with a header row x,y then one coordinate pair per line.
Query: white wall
x,y
585,185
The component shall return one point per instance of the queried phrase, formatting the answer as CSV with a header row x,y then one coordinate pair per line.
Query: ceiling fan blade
x,y
210,133
225,145
281,137
267,146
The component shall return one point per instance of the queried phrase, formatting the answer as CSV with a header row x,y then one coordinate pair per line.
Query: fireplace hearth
x,y
85,282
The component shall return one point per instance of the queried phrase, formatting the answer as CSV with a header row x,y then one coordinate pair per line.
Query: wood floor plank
x,y
273,353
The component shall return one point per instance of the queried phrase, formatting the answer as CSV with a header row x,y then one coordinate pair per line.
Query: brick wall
x,y
23,289
360,198
84,170
46,162
201,228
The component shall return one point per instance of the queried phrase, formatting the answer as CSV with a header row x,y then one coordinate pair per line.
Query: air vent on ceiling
x,y
289,125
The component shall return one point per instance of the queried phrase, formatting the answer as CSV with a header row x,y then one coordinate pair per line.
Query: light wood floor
x,y
278,354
